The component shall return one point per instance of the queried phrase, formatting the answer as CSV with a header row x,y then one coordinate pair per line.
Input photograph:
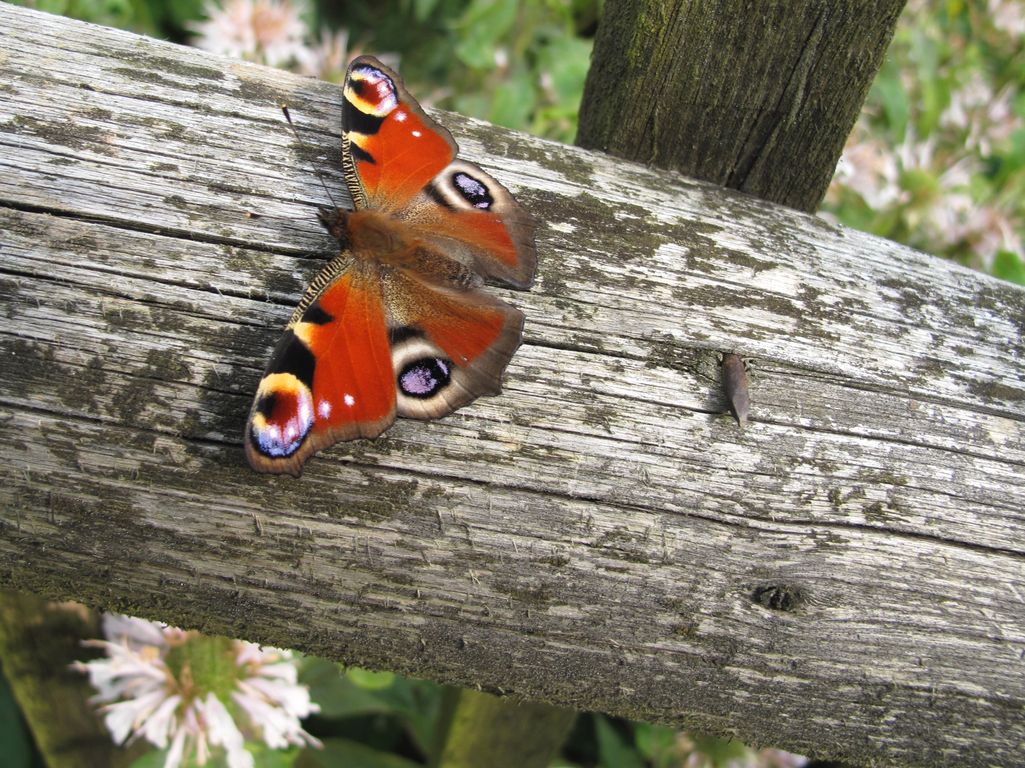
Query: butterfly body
x,y
397,324
373,236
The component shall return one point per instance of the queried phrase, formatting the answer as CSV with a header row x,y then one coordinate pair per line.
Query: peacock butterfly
x,y
397,323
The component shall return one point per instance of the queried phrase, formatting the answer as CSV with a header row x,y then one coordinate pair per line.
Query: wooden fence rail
x,y
844,577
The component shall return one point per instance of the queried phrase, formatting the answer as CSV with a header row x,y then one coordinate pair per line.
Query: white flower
x,y
985,119
987,230
138,633
150,687
124,717
870,169
1008,17
223,732
273,700
328,58
267,31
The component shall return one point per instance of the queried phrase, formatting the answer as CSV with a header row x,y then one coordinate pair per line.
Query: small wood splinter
x,y
734,384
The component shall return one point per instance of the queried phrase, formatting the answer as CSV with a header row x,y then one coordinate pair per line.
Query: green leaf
x,y
182,12
418,703
424,9
566,61
890,92
613,749
657,744
337,694
1009,266
370,680
339,753
59,7
114,13
15,741
265,757
415,702
721,752
513,102
480,28
921,183
472,104
152,759
934,99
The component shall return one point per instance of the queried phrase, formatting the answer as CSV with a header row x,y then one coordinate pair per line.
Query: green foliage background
x,y
947,111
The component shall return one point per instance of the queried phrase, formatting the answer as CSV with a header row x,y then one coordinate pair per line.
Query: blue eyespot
x,y
475,192
425,377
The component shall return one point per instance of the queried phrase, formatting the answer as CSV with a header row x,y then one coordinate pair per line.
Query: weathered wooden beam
x,y
844,577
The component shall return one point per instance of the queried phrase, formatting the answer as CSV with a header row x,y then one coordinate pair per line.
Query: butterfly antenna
x,y
295,132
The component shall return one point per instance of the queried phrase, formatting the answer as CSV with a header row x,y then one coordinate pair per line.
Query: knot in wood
x,y
779,597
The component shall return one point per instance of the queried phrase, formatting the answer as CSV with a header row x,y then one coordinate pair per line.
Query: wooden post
x,y
754,96
481,729
843,577
38,643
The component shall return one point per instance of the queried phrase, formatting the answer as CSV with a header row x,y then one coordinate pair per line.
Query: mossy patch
x,y
65,133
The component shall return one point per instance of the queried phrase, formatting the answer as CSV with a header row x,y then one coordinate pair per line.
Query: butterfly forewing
x,y
330,378
395,148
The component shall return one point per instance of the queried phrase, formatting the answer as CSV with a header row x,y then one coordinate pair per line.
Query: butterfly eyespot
x,y
282,416
371,91
425,377
473,190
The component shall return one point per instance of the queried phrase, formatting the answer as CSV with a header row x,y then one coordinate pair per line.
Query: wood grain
x,y
844,577
754,96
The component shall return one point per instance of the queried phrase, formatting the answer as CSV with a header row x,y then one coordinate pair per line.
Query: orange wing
x,y
449,345
349,361
497,242
378,335
393,148
330,377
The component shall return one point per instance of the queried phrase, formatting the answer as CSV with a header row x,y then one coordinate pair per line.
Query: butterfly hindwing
x,y
468,214
449,346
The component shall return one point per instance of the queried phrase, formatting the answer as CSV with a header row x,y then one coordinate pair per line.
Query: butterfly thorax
x,y
379,238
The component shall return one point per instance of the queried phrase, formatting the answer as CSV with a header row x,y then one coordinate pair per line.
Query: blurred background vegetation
x,y
937,158
936,161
